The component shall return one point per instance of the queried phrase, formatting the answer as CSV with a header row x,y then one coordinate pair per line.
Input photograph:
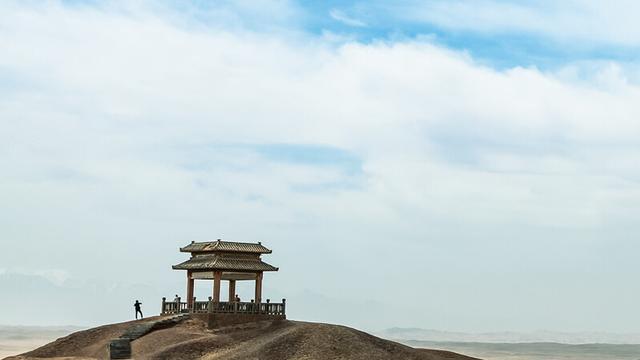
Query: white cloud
x,y
106,158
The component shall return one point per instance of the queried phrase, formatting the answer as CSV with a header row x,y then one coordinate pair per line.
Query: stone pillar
x,y
217,276
190,286
232,290
258,295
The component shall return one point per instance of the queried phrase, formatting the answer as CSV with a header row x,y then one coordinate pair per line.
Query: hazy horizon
x,y
467,166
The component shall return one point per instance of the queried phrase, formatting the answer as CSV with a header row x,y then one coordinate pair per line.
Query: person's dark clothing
x,y
138,310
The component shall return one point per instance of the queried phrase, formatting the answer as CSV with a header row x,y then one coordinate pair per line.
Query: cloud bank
x,y
377,171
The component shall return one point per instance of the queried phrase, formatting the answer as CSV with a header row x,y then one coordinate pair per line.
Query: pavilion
x,y
229,261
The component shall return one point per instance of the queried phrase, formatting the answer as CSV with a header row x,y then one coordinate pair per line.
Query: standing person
x,y
177,303
137,307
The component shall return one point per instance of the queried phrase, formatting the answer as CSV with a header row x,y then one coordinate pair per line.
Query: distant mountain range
x,y
34,332
418,334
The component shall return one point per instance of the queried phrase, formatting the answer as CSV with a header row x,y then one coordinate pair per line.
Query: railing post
x,y
178,301
284,302
267,307
194,307
164,301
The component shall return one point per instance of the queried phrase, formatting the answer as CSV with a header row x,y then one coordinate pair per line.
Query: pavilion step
x,y
121,348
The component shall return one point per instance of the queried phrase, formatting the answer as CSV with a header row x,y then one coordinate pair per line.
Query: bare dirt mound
x,y
266,340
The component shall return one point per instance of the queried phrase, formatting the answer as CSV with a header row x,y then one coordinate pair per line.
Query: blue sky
x,y
498,33
500,47
480,156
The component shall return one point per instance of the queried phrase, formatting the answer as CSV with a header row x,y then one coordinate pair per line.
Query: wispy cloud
x,y
340,16
583,20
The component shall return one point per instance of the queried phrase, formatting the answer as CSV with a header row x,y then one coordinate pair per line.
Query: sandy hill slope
x,y
278,340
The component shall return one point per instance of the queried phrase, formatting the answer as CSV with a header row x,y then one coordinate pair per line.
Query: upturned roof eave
x,y
184,250
240,265
178,267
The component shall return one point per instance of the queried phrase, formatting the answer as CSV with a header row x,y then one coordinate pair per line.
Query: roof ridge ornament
x,y
220,245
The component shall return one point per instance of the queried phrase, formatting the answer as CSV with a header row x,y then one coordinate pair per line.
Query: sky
x,y
454,165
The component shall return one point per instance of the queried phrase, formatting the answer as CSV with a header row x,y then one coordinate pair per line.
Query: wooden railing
x,y
174,307
200,307
267,308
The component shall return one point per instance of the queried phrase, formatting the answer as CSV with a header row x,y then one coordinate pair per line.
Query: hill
x,y
266,340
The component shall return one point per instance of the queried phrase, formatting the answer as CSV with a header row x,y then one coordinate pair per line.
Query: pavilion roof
x,y
230,263
226,246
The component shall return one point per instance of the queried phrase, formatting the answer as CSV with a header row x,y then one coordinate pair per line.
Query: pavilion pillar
x,y
258,296
190,285
232,290
217,276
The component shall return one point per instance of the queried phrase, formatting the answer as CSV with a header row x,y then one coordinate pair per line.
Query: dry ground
x,y
277,340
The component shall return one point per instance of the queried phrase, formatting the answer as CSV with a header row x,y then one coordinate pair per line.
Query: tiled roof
x,y
217,262
226,246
